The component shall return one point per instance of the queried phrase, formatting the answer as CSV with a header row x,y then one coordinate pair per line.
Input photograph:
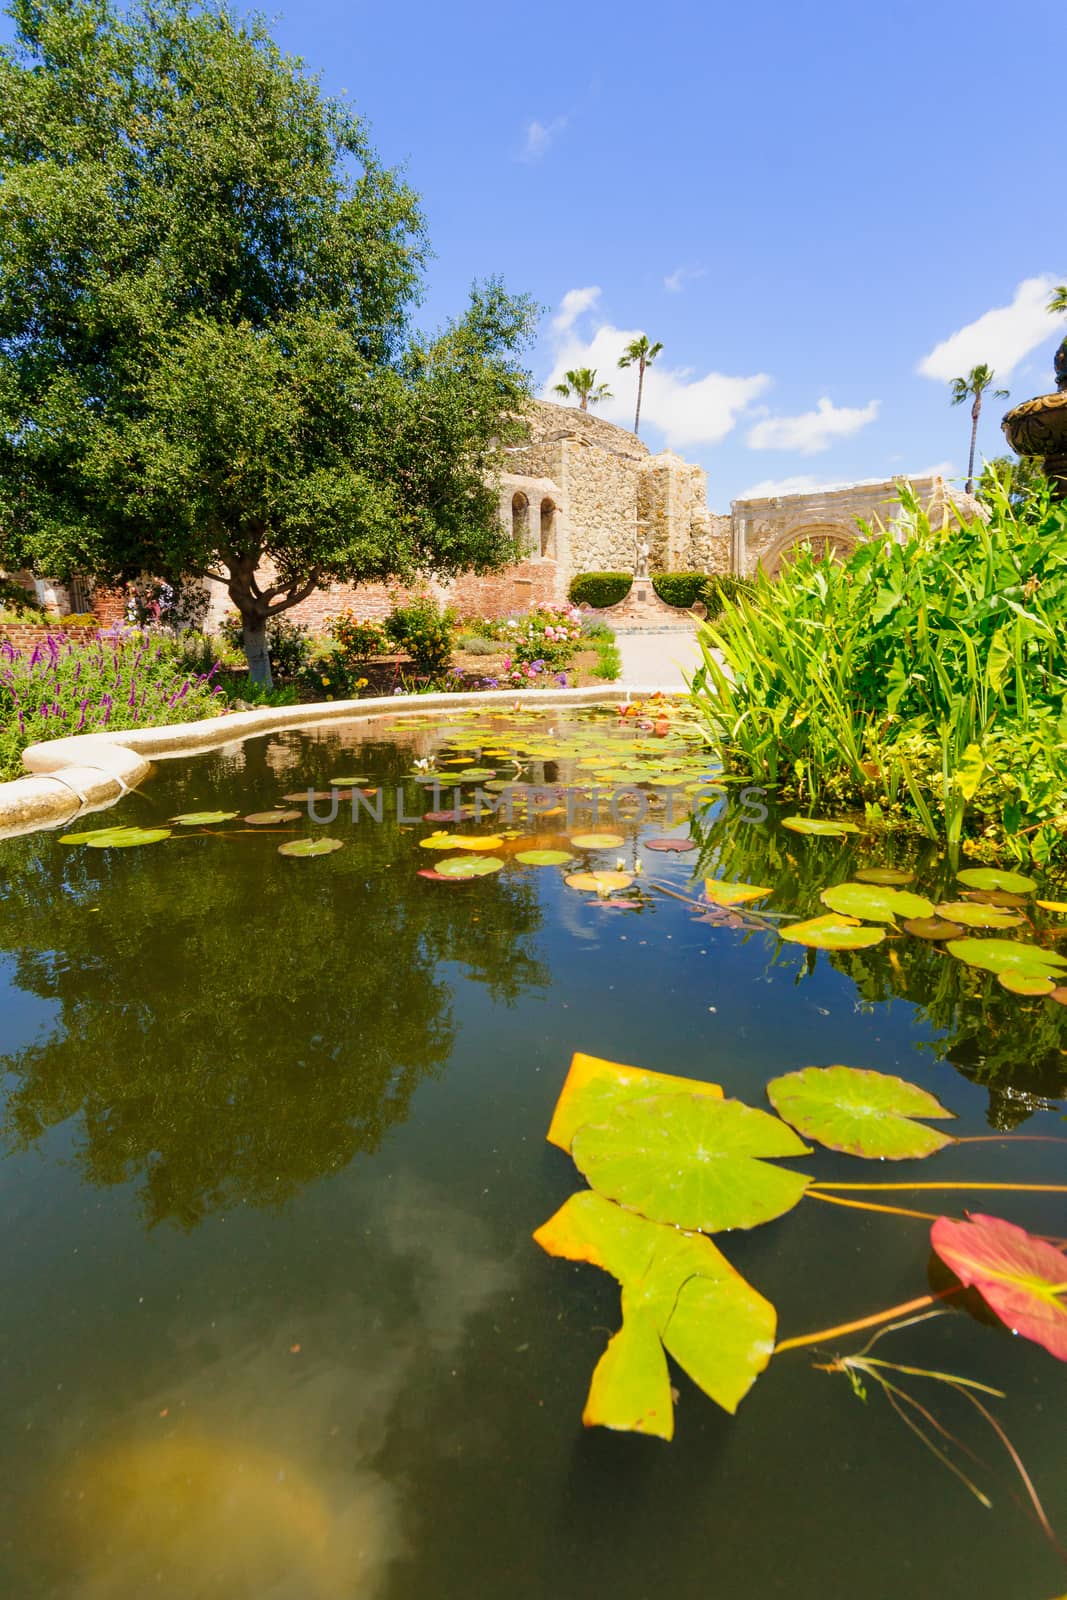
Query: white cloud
x,y
807,483
571,307
676,281
812,431
688,410
1001,337
539,136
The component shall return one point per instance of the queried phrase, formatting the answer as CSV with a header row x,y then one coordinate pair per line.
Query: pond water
x,y
272,1323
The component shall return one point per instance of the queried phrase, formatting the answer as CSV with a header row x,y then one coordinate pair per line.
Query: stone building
x,y
581,495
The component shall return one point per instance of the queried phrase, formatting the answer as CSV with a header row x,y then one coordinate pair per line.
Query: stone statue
x,y
641,569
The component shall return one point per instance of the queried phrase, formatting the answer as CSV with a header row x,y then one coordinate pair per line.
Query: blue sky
x,y
802,201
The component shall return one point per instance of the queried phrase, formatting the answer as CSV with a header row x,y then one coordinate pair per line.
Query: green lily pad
x,y
544,858
475,774
721,893
875,902
820,826
858,1112
973,914
692,1161
993,878
117,838
832,932
678,1290
931,928
472,866
1007,955
347,783
594,1089
203,819
264,819
884,875
1025,983
302,848
597,841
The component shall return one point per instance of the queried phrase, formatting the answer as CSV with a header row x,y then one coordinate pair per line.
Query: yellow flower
x,y
325,681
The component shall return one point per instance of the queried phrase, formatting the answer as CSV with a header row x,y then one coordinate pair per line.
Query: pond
x,y
272,1321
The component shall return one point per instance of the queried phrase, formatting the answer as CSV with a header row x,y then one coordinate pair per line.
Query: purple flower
x,y
561,679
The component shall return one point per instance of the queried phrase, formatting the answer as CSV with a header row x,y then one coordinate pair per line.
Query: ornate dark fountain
x,y
1039,428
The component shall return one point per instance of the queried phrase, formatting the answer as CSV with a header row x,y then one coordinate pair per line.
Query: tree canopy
x,y
207,359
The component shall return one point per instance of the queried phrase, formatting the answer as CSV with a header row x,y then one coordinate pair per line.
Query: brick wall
x,y
25,635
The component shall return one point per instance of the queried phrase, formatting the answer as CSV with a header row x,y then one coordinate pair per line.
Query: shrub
x,y
925,676
608,661
357,641
332,677
475,644
122,679
548,634
682,589
596,628
600,588
288,643
424,630
257,694
22,604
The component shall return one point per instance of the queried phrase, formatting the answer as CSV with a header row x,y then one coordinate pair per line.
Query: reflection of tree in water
x,y
233,1026
1016,1048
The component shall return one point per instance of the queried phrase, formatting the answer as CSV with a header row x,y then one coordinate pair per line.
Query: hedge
x,y
600,588
684,589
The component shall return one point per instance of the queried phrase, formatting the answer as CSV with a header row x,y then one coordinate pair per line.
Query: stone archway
x,y
520,519
837,538
548,530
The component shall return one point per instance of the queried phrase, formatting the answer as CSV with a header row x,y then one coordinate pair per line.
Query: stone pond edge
x,y
86,772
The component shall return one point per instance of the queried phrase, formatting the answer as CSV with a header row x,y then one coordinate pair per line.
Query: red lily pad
x,y
1022,1278
670,844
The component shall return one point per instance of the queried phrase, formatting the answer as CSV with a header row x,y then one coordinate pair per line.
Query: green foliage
x,y
1021,478
123,680
597,628
723,588
424,630
580,384
260,694
17,602
925,678
206,359
679,588
548,635
600,589
289,644
608,661
475,644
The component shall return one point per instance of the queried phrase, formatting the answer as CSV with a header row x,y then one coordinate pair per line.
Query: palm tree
x,y
1059,299
972,388
644,354
580,384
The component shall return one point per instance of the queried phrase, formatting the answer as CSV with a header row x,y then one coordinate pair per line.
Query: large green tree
x,y
207,364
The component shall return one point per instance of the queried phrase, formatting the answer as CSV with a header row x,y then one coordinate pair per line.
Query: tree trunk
x,y
640,386
584,403
254,644
976,412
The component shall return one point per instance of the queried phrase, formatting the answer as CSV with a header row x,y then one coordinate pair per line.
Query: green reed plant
x,y
925,676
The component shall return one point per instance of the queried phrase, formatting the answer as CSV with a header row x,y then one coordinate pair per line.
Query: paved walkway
x,y
658,660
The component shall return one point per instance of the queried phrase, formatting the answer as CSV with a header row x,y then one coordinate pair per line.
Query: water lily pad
x,y
678,1290
666,845
721,893
469,866
858,1112
262,819
1007,955
1021,1278
307,796
347,783
692,1161
475,774
1025,983
1058,906
821,826
993,878
884,875
441,841
478,841
594,1089
203,819
597,841
874,902
599,882
931,928
832,932
971,914
457,814
303,848
544,858
119,837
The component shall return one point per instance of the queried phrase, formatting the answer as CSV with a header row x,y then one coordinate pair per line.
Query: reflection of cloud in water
x,y
259,1483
